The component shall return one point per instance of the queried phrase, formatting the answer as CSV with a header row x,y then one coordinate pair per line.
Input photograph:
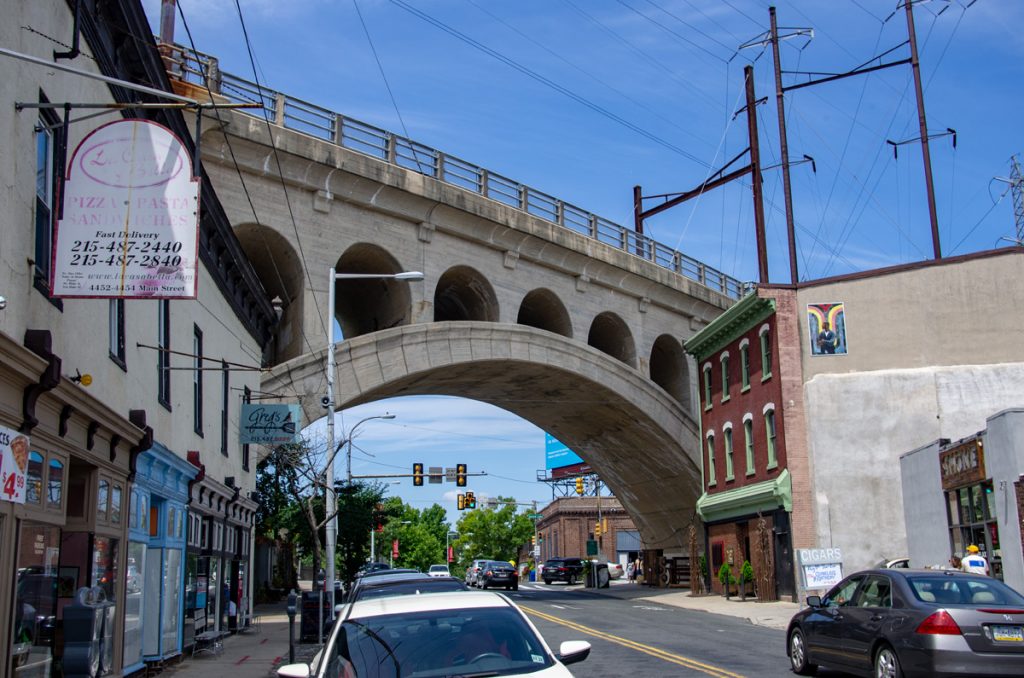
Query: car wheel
x,y
515,587
887,665
548,582
798,655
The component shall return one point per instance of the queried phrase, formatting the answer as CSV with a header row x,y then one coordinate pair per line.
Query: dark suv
x,y
498,573
568,570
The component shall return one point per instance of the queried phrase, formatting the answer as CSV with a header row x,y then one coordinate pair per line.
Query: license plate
x,y
1013,634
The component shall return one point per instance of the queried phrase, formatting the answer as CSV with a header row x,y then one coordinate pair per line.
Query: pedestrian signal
x,y
470,500
460,475
417,474
579,486
461,501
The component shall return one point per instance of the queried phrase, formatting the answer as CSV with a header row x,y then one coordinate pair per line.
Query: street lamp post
x,y
332,500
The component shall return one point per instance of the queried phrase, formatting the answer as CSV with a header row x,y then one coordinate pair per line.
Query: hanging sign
x,y
13,465
269,424
131,214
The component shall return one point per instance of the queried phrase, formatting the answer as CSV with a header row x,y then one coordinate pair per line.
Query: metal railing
x,y
355,135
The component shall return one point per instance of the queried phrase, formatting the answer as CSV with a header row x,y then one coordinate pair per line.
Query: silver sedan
x,y
893,623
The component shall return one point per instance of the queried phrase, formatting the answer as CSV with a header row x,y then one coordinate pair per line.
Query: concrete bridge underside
x,y
640,440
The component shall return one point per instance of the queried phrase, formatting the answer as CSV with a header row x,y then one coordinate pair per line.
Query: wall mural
x,y
826,326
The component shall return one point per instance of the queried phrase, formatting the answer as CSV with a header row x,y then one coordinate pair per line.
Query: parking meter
x,y
293,602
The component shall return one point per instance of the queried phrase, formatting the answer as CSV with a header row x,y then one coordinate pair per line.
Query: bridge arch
x,y
670,370
541,308
610,334
642,442
463,293
362,306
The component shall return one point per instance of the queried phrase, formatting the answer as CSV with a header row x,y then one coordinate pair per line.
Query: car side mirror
x,y
573,651
294,671
813,601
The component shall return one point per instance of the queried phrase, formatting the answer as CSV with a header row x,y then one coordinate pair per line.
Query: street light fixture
x,y
332,500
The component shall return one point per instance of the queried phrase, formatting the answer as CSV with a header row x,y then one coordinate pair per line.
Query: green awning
x,y
765,497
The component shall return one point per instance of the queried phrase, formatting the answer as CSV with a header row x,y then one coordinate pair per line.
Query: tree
x,y
492,532
420,534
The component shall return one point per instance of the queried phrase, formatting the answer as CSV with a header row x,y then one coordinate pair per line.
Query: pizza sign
x,y
13,464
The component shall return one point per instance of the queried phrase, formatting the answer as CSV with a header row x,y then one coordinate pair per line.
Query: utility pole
x,y
787,191
923,124
755,175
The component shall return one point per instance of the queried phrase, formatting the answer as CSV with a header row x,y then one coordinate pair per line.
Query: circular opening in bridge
x,y
609,334
369,305
669,368
464,294
545,311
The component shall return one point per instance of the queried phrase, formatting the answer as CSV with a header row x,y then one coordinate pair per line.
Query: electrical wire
x,y
678,36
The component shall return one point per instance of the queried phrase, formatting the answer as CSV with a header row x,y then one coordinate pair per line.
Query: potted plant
x,y
746,575
727,578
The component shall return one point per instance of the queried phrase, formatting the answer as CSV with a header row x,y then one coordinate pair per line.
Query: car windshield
x,y
946,590
491,641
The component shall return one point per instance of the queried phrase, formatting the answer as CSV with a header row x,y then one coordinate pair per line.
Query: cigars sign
x,y
963,464
13,465
130,216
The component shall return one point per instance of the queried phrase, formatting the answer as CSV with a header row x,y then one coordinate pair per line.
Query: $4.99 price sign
x,y
13,465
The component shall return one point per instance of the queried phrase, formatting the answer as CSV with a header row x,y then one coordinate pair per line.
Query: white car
x,y
477,633
439,571
615,570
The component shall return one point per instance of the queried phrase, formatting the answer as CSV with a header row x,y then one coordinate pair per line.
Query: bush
x,y
746,572
702,566
726,576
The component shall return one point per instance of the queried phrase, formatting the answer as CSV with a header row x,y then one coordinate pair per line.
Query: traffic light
x,y
470,500
460,475
597,529
461,501
533,540
579,486
417,474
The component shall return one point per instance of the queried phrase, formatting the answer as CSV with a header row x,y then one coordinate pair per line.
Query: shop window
x,y
163,355
769,429
144,512
134,601
102,499
745,364
171,592
34,479
115,504
116,321
711,459
104,576
55,484
707,387
727,438
766,353
35,603
725,376
748,442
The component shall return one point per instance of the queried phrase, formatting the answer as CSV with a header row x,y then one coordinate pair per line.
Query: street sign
x,y
449,474
435,475
534,516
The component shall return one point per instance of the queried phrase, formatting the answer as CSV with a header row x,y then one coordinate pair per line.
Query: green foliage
x,y
725,575
420,535
493,533
702,566
746,572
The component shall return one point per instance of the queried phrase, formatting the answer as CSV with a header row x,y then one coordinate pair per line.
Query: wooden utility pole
x,y
787,191
755,175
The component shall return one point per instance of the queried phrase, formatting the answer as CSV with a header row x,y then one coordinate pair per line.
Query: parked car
x,y
569,570
498,573
438,634
474,571
903,622
616,571
439,571
403,583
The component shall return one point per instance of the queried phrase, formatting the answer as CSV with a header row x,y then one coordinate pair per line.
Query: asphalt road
x,y
641,638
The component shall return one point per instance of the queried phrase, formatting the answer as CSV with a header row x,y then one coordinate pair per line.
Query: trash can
x,y
309,627
533,575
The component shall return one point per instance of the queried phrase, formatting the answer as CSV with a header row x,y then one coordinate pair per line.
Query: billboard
x,y
557,455
130,221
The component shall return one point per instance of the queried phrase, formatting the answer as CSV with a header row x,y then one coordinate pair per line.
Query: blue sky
x,y
583,99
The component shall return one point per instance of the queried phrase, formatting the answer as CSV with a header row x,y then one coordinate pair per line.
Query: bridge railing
x,y
307,118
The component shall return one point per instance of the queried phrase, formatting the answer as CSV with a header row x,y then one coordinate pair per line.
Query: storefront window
x,y
972,521
34,479
134,603
171,596
115,504
35,601
102,498
55,484
104,576
212,596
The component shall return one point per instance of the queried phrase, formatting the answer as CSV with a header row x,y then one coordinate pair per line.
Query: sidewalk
x,y
774,614
252,654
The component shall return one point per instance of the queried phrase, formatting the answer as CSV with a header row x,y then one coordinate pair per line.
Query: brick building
x,y
569,522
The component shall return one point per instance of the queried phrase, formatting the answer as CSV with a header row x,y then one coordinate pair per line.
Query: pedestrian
x,y
954,563
631,571
974,562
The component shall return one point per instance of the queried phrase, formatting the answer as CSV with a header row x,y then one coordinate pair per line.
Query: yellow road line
x,y
633,645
